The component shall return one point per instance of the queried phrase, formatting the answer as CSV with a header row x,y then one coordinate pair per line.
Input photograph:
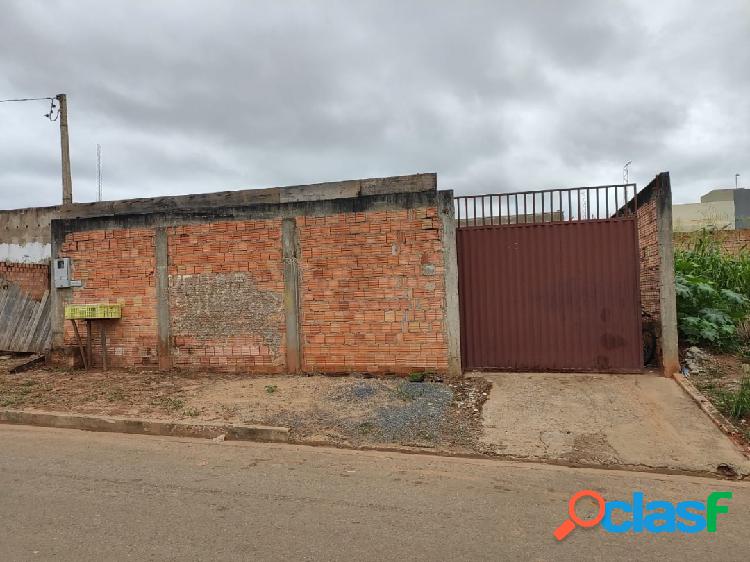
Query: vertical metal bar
x,y
533,208
579,202
588,204
570,208
606,200
543,192
525,210
598,213
492,214
475,209
617,204
515,208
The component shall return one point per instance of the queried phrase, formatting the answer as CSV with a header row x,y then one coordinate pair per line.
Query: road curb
x,y
709,409
205,430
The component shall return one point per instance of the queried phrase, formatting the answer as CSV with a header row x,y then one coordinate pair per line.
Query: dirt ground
x,y
336,410
716,375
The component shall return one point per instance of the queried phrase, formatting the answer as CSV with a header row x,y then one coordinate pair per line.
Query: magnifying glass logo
x,y
569,524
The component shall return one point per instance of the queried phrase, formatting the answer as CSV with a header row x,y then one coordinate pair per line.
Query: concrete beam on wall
x,y
452,317
25,233
670,359
62,227
291,252
163,320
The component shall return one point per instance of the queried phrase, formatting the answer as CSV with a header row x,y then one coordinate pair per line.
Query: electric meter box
x,y
62,273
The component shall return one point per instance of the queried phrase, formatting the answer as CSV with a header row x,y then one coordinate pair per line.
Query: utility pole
x,y
99,171
736,177
67,182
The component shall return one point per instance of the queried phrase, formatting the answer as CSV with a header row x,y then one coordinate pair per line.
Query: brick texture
x,y
117,266
731,241
226,296
373,292
32,278
649,246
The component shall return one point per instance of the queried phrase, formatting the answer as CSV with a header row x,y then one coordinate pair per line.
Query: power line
x,y
26,99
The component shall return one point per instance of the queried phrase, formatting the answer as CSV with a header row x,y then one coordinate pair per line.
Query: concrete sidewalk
x,y
619,420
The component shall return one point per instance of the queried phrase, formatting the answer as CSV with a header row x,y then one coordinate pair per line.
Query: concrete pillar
x,y
58,297
670,360
291,252
163,319
451,319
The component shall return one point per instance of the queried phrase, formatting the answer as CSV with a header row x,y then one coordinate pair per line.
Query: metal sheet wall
x,y
550,296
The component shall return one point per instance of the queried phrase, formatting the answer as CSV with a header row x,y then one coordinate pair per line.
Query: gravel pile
x,y
419,416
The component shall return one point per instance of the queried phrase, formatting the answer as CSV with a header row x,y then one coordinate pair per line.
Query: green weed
x,y
713,294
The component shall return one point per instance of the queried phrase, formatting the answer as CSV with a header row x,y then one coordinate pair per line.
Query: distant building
x,y
722,209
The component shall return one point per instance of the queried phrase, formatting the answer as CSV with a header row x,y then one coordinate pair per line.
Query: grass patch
x,y
115,395
365,428
738,402
168,403
271,388
11,401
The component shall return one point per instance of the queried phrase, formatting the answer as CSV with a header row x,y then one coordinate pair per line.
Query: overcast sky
x,y
494,96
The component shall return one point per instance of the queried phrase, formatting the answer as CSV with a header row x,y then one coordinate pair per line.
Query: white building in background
x,y
722,209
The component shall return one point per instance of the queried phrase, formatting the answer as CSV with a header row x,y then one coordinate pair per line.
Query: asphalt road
x,y
69,495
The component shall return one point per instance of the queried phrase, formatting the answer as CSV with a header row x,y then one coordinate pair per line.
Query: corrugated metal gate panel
x,y
550,296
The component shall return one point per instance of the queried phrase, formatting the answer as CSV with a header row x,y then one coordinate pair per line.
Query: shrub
x,y
713,293
417,377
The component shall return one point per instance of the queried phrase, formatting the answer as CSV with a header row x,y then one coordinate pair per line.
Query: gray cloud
x,y
494,96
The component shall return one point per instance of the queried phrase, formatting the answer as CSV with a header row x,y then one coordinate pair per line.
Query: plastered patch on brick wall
x,y
224,305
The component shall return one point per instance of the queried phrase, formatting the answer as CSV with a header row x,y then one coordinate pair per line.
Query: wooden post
x,y
80,344
89,343
103,336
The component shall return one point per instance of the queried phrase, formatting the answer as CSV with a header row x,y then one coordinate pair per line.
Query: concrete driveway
x,y
644,421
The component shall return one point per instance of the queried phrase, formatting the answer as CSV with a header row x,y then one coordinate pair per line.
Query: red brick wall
x,y
731,241
226,296
30,277
117,266
373,291
649,247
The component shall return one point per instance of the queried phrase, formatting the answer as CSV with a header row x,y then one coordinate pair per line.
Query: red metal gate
x,y
556,289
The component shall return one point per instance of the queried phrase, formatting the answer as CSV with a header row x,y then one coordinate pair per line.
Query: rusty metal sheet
x,y
550,296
